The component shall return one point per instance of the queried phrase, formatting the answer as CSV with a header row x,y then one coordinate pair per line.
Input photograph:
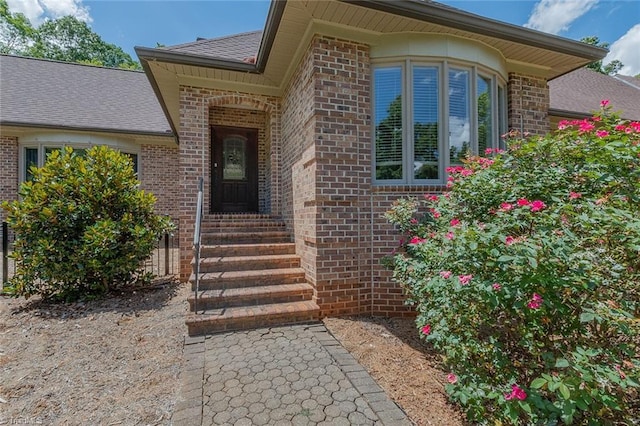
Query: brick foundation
x,y
159,175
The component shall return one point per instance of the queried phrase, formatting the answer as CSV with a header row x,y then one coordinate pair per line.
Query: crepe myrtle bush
x,y
82,226
525,276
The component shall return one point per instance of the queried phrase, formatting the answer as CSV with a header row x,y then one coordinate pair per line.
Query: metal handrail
x,y
196,242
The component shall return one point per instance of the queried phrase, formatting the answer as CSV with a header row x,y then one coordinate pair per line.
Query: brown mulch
x,y
108,362
116,361
394,355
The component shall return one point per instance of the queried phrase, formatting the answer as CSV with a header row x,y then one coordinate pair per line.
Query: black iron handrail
x,y
196,242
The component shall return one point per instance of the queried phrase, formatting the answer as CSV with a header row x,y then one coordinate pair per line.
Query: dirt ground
x,y
108,362
116,361
394,355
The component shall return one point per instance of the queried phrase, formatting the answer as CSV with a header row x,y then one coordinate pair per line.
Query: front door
x,y
234,169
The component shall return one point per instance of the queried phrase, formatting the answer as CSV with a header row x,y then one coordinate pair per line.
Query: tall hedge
x,y
82,225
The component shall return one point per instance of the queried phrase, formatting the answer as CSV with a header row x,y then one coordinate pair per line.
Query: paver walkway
x,y
291,375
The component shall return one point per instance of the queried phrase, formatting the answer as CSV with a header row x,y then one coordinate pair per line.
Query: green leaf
x,y
587,316
538,383
564,391
562,363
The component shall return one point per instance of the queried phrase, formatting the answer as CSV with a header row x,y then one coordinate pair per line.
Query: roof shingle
x,y
235,47
582,91
58,94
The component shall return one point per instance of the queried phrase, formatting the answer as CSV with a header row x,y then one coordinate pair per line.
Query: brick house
x,y
45,105
309,129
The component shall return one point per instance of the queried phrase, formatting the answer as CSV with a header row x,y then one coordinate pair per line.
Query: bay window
x,y
422,110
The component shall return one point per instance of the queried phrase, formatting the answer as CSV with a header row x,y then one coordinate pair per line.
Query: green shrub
x,y
82,226
526,276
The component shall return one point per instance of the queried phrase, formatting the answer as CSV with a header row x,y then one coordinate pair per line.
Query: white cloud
x,y
555,16
39,10
626,49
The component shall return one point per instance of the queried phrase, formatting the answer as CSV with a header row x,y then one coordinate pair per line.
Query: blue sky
x,y
145,23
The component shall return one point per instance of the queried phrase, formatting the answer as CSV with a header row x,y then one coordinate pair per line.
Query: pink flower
x,y
452,378
604,103
517,393
454,222
620,127
496,286
563,124
431,197
465,279
449,235
535,302
635,125
426,330
586,126
506,206
417,240
435,213
602,133
509,240
574,195
413,221
522,202
445,274
537,205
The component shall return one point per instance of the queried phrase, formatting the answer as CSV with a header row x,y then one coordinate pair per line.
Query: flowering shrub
x,y
526,276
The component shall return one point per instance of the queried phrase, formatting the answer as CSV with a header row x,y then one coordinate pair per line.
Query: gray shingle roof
x,y
235,47
50,93
582,91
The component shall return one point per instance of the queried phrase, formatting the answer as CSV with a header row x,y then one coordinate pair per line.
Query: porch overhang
x,y
291,25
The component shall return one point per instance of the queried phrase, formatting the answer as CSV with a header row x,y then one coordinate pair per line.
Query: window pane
x,y
388,120
30,159
485,132
134,160
425,123
459,121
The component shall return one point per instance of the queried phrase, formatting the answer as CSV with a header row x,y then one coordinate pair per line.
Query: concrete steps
x,y
250,277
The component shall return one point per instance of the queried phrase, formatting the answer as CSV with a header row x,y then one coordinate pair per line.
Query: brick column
x,y
528,98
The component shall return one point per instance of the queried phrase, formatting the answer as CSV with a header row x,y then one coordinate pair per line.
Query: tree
x,y
612,67
64,39
16,31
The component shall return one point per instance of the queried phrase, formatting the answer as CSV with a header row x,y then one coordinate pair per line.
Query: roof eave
x,y
86,129
568,114
274,17
438,14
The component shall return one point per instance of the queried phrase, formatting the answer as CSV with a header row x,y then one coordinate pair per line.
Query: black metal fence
x,y
164,261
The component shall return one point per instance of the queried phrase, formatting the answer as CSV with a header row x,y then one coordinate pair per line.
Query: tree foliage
x,y
526,276
612,67
64,39
82,226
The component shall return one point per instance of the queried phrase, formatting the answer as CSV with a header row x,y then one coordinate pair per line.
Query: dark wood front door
x,y
234,169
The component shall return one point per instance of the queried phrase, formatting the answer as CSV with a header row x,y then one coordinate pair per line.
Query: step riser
x,y
209,327
225,283
225,302
248,265
213,239
247,250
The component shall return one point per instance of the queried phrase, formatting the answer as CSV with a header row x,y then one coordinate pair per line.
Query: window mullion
x,y
407,123
473,110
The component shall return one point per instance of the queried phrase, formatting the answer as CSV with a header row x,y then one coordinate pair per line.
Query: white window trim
x,y
41,143
498,114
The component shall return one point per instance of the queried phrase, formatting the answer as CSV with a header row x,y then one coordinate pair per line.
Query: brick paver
x,y
292,375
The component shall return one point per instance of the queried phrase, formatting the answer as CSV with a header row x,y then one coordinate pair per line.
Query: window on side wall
x,y
429,116
37,156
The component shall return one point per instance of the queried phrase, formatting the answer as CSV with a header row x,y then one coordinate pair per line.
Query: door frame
x,y
251,134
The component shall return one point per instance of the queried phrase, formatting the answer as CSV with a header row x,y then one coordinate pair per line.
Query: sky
x,y
129,23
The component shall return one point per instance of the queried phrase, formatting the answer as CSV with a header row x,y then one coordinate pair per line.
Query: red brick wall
x,y
8,170
528,100
159,175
